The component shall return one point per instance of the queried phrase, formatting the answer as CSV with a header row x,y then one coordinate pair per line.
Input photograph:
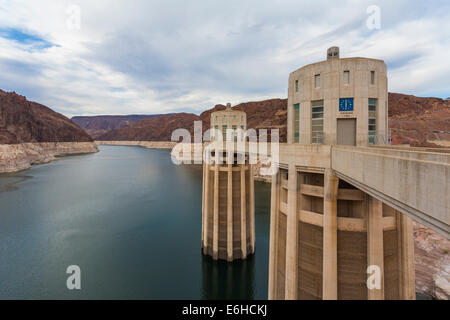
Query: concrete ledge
x,y
414,182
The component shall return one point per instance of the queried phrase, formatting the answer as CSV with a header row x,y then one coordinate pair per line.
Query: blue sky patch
x,y
32,41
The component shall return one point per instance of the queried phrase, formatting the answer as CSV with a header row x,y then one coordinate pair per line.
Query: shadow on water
x,y
10,181
224,280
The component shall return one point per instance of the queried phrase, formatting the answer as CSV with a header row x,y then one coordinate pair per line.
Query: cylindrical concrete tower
x,y
330,241
228,211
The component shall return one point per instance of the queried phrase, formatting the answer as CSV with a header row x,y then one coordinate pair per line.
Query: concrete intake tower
x,y
327,235
228,210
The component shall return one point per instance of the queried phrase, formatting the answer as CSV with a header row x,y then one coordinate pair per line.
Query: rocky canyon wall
x,y
16,157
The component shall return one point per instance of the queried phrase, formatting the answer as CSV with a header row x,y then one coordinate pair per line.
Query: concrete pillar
x,y
206,211
252,209
375,252
407,281
216,213
274,212
243,214
230,213
291,286
330,279
203,207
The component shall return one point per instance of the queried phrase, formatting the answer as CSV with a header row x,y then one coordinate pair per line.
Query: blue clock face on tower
x,y
345,104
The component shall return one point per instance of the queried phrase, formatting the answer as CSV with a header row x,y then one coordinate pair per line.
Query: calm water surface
x,y
130,219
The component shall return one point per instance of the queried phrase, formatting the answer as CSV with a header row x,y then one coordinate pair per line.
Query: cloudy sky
x,y
142,57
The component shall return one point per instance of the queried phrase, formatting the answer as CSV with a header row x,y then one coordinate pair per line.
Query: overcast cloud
x,y
169,56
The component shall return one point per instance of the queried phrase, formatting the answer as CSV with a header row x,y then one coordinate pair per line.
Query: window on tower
x,y
296,123
317,121
372,120
372,77
346,77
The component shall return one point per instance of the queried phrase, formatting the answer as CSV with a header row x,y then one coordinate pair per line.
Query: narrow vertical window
x,y
317,81
372,120
234,132
215,132
224,133
296,85
296,123
317,121
372,77
346,77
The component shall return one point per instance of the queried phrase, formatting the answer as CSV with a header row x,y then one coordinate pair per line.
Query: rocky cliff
x,y
31,133
21,156
98,125
152,129
432,259
420,122
25,121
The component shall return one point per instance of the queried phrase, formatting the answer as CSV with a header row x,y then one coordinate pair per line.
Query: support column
x,y
291,285
407,280
274,215
230,213
375,252
203,205
206,210
330,280
216,213
243,214
252,209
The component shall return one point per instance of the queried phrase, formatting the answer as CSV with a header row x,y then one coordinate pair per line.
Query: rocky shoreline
x,y
432,260
17,157
145,144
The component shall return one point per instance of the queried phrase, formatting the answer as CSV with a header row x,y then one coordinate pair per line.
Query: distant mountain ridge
x,y
23,121
96,126
265,114
412,120
157,128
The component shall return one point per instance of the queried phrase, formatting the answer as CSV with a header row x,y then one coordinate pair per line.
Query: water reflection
x,y
223,280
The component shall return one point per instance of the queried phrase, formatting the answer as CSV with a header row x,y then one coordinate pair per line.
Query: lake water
x,y
130,219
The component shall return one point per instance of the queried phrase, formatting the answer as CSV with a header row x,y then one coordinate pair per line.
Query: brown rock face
x,y
96,126
153,129
268,114
25,121
432,259
417,121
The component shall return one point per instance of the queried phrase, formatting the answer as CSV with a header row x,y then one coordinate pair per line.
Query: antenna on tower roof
x,y
333,53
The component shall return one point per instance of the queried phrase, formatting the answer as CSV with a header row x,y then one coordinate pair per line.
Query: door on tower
x,y
346,132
